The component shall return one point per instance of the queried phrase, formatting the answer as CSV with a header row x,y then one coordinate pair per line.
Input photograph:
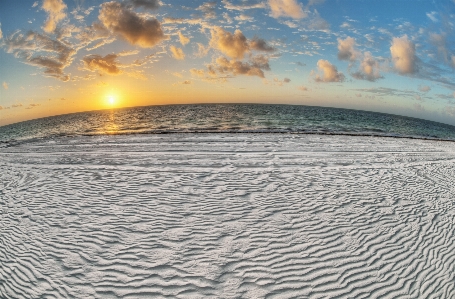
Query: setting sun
x,y
111,100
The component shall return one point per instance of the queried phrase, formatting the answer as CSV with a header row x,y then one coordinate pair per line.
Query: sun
x,y
111,100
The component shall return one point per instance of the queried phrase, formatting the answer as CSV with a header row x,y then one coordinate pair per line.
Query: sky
x,y
66,56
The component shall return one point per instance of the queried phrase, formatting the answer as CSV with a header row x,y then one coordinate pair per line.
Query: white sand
x,y
228,216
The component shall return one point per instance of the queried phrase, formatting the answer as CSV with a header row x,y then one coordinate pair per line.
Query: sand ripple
x,y
227,216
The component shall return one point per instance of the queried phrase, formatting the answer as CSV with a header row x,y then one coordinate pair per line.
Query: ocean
x,y
227,118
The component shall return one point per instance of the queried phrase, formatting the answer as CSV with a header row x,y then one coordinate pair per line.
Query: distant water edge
x,y
227,118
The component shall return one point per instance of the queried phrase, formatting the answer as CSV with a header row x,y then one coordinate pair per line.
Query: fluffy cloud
x,y
303,88
330,72
286,8
346,49
453,61
41,51
148,4
254,68
183,39
1,33
55,10
261,45
134,28
236,45
403,55
5,85
177,53
369,68
107,64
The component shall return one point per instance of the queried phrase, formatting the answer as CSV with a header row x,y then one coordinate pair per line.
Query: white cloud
x,y
286,8
183,39
41,51
403,55
330,72
432,16
369,68
107,64
134,28
346,49
35,4
1,33
177,53
5,85
235,67
243,6
236,45
55,10
208,9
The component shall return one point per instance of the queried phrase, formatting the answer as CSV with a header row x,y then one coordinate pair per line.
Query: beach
x,y
227,216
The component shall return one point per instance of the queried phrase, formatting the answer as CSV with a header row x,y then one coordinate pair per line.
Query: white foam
x,y
227,216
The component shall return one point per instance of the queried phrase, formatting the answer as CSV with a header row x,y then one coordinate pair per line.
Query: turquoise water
x,y
233,118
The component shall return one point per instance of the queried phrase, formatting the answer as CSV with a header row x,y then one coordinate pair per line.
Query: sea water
x,y
227,118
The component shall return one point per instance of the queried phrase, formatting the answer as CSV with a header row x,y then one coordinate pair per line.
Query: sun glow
x,y
111,100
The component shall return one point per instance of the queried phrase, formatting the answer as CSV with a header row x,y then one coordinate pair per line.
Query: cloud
x,y
453,61
16,105
132,27
32,105
261,45
41,51
286,8
148,4
106,64
424,88
229,6
95,32
1,33
177,53
330,72
403,55
208,9
198,73
236,45
303,88
369,68
1,108
278,82
5,85
35,4
55,10
183,39
202,50
432,16
244,18
255,67
186,82
346,49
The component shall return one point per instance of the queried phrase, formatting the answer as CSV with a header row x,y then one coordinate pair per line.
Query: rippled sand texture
x,y
227,216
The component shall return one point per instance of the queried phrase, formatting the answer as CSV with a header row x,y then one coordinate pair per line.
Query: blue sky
x,y
61,56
